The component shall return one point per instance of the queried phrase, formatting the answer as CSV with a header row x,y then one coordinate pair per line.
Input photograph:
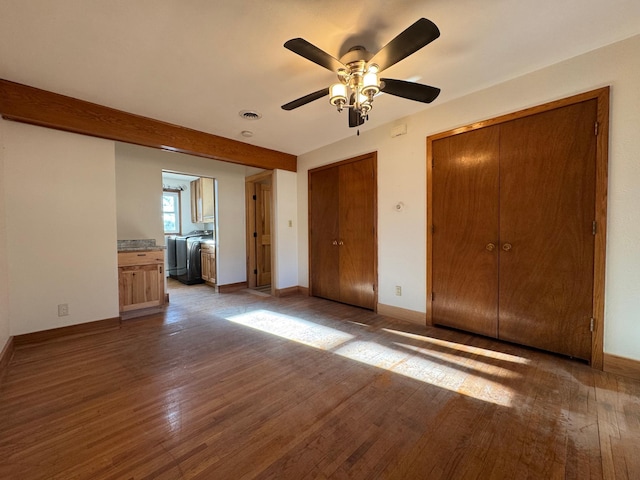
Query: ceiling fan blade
x,y
410,90
306,99
410,41
313,53
355,119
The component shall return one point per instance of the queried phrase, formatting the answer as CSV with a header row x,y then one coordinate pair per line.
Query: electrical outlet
x,y
398,290
63,309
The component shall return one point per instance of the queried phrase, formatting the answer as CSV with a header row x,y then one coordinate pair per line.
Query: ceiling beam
x,y
31,105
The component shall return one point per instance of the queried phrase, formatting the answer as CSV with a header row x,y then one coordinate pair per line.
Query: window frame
x,y
177,194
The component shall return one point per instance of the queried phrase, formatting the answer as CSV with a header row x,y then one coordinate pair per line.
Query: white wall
x,y
139,194
402,177
4,278
60,227
286,237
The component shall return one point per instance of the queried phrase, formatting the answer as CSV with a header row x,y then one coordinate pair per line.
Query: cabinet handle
x,y
335,242
340,242
507,246
491,247
142,254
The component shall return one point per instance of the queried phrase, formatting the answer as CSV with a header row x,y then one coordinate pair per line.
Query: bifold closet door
x,y
547,199
357,236
342,255
324,257
513,240
465,237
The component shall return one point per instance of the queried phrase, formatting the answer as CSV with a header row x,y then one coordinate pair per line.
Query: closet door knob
x,y
490,246
507,246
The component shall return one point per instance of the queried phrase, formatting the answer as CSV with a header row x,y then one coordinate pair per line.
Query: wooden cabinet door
x,y
207,200
324,259
202,200
208,265
547,198
356,240
465,236
140,286
194,188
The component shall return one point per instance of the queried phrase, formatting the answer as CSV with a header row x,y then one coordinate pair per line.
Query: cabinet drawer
x,y
140,258
206,248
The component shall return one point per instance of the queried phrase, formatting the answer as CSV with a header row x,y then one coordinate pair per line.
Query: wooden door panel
x,y
323,232
547,198
357,233
263,231
140,287
465,219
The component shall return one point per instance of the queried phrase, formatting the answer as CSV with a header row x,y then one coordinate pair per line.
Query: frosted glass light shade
x,y
338,93
370,83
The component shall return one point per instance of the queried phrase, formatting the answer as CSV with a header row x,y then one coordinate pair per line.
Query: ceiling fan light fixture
x,y
358,69
370,85
338,95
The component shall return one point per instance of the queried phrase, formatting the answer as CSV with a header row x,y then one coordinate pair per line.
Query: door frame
x,y
265,177
600,207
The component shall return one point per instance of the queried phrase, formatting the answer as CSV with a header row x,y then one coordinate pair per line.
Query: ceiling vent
x,y
250,115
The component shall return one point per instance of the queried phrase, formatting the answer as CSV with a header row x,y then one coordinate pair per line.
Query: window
x,y
171,211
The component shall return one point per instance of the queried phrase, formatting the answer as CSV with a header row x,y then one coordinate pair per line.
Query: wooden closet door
x,y
356,242
465,236
324,259
547,189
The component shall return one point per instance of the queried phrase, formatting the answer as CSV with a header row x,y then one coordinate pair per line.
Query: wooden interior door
x,y
324,258
342,233
465,234
357,236
547,198
263,234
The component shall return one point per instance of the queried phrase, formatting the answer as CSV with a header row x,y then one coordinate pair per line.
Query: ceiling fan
x,y
358,70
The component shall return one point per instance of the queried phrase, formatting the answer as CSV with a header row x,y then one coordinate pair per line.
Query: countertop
x,y
145,245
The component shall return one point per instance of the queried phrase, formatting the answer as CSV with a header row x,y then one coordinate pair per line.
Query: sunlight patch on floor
x,y
461,347
292,328
447,371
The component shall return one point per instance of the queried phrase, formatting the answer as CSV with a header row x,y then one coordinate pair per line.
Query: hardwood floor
x,y
241,385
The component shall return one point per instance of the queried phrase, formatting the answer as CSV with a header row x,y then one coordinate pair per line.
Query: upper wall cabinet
x,y
202,200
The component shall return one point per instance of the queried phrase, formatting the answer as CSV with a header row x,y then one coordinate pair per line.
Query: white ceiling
x,y
198,63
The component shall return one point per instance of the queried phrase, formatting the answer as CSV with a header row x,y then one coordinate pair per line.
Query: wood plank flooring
x,y
241,385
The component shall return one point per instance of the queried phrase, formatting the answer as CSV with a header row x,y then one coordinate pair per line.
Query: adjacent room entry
x,y
516,209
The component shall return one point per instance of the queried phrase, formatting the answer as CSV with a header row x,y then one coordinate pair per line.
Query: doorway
x,y
190,226
259,206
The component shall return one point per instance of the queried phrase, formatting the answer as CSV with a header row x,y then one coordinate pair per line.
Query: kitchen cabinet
x,y
141,280
202,200
208,263
513,229
342,233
